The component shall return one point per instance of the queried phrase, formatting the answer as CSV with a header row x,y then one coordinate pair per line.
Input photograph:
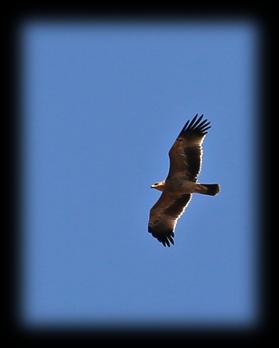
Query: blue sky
x,y
102,104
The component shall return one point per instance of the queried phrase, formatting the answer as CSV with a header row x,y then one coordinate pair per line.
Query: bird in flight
x,y
177,189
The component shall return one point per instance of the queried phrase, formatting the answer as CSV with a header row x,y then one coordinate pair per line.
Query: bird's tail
x,y
207,189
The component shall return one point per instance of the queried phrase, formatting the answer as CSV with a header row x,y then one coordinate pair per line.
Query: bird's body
x,y
177,185
177,189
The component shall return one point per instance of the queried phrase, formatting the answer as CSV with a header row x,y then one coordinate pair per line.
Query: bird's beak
x,y
152,186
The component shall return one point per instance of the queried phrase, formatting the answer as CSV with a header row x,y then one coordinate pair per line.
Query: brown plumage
x,y
185,163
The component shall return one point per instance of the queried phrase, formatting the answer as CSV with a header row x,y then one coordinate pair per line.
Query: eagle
x,y
177,189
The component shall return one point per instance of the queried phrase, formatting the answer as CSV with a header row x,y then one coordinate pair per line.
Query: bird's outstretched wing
x,y
164,215
186,153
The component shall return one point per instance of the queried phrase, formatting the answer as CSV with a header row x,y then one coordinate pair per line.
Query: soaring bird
x,y
177,189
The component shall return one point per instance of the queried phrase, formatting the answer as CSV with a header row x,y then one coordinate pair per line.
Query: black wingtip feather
x,y
205,127
197,121
171,240
193,121
166,239
186,124
196,126
203,122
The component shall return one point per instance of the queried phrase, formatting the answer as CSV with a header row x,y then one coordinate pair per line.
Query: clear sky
x,y
102,104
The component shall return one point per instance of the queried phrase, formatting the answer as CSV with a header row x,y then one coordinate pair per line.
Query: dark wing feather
x,y
164,215
186,153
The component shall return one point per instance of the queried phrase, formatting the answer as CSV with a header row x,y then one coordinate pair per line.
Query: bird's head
x,y
158,185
